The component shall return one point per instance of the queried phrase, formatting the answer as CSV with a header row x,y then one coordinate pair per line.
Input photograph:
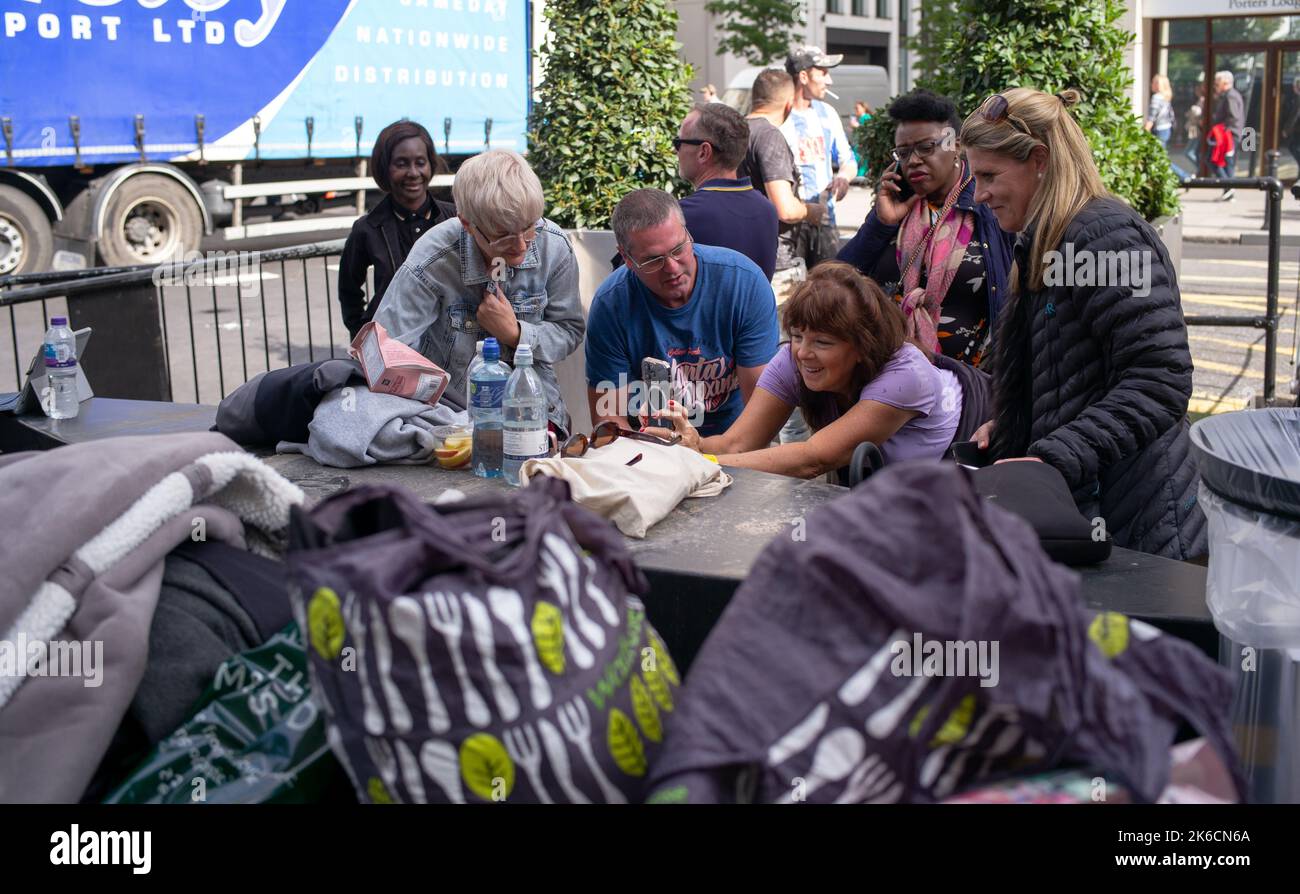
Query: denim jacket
x,y
432,303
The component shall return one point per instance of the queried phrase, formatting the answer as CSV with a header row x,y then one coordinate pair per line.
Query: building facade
x,y
866,32
1257,40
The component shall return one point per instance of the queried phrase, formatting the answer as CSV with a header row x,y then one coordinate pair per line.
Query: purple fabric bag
x,y
492,649
917,641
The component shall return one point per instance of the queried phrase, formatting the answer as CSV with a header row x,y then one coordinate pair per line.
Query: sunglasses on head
x,y
607,433
996,108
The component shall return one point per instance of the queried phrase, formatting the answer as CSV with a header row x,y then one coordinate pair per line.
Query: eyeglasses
x,y
607,433
679,142
655,264
509,240
923,149
996,108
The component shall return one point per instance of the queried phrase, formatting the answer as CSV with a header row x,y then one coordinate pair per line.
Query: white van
x,y
849,82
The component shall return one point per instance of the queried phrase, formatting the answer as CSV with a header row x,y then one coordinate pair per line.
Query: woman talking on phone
x,y
1094,378
935,250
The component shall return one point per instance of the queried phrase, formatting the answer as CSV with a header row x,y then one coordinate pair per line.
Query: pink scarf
x,y
942,255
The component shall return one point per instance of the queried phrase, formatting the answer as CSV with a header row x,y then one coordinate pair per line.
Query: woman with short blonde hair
x,y
498,269
1091,368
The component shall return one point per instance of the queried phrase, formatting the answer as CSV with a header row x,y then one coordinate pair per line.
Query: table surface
x,y
713,539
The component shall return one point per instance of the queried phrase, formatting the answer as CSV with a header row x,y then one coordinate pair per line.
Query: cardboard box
x,y
393,368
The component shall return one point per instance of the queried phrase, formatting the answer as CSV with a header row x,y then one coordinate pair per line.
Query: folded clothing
x,y
357,427
278,405
633,497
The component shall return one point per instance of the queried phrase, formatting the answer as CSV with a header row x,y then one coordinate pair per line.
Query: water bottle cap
x,y
58,321
523,354
491,349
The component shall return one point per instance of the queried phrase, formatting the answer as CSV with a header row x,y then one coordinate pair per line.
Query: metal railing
x,y
200,328
1273,223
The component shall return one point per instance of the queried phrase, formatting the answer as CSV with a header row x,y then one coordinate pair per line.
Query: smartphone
x,y
905,190
968,453
657,376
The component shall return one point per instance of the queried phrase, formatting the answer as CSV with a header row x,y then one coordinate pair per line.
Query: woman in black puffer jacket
x,y
1091,368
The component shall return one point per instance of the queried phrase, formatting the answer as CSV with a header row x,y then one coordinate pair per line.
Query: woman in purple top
x,y
854,375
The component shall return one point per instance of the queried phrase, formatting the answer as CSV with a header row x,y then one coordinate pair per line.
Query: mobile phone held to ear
x,y
905,190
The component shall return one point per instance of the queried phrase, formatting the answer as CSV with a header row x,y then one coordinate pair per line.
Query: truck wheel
x,y
149,220
26,240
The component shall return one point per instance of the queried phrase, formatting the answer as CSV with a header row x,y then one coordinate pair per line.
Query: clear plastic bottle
x,y
488,388
469,373
524,416
61,370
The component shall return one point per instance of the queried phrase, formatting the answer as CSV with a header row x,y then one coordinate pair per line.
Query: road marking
x,y
1235,302
1262,280
1228,342
1239,263
1228,368
1211,404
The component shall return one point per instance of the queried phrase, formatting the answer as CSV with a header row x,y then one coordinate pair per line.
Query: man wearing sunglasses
x,y
724,209
706,311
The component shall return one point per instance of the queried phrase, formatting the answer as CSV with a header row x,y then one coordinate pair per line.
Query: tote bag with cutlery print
x,y
487,650
918,642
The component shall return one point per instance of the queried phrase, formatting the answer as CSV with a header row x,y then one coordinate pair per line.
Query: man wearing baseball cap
x,y
817,139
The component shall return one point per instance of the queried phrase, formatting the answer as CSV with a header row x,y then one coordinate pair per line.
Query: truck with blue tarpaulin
x,y
130,128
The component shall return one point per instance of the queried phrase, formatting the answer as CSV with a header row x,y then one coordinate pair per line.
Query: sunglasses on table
x,y
607,433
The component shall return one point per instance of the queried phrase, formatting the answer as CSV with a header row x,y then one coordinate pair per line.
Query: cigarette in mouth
x,y
832,94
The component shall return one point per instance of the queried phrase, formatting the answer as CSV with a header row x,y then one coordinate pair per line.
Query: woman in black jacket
x,y
403,164
1091,368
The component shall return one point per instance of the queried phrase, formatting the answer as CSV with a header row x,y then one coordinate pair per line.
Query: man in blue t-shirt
x,y
724,209
708,312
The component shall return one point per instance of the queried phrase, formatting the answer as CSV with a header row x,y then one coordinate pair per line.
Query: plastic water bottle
x,y
473,365
61,369
488,387
525,416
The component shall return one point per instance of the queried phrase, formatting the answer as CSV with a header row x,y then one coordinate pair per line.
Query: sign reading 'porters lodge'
x,y
1182,9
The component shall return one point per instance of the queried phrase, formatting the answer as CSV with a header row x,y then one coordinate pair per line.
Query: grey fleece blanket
x,y
81,584
354,427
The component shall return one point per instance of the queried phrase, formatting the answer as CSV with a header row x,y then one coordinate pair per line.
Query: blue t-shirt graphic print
x,y
729,322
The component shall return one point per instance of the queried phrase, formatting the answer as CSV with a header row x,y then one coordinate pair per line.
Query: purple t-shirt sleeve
x,y
906,382
780,378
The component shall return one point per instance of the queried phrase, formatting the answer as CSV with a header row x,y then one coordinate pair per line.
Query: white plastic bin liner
x,y
1253,581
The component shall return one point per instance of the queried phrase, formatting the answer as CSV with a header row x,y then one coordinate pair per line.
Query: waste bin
x,y
1250,492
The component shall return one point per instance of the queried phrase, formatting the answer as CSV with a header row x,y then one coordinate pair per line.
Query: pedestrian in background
x,y
1092,379
821,148
403,164
1230,111
769,165
724,209
1160,116
709,93
861,115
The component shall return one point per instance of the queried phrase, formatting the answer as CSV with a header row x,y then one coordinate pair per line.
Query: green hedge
x,y
1050,45
614,92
